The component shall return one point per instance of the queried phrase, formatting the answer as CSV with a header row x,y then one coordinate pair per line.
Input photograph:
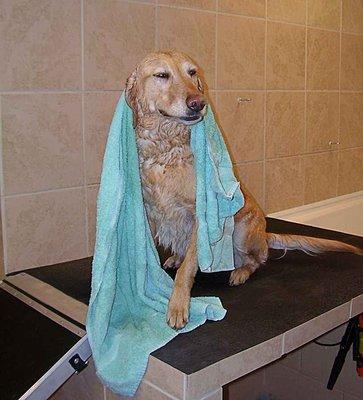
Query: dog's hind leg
x,y
241,274
250,249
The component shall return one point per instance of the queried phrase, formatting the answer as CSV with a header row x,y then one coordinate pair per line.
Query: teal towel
x,y
130,291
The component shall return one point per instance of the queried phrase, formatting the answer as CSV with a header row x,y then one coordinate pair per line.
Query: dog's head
x,y
167,84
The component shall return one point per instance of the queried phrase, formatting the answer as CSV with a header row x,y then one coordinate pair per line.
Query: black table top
x,y
281,295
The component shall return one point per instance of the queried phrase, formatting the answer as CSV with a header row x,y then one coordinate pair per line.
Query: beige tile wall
x,y
296,67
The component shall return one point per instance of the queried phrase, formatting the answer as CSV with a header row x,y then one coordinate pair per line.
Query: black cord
x,y
326,344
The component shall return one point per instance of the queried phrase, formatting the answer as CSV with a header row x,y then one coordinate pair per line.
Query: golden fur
x,y
159,91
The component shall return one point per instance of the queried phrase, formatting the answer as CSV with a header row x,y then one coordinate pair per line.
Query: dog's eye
x,y
162,75
192,72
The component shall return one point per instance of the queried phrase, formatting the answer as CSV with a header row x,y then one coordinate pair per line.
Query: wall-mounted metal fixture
x,y
243,100
331,143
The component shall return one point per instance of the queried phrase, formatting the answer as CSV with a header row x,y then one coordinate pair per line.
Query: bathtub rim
x,y
309,213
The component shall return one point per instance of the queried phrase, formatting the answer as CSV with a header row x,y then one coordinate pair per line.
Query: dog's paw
x,y
239,276
178,313
172,262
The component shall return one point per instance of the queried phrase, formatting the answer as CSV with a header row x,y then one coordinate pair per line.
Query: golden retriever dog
x,y
166,93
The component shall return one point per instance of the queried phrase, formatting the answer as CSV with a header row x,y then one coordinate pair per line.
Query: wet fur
x,y
168,183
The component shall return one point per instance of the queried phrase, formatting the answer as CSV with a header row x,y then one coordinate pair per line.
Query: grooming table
x,y
285,304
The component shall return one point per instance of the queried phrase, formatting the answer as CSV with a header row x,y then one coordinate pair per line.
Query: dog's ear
x,y
131,95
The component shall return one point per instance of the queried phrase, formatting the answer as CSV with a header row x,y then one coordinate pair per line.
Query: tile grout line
x,y
170,396
317,380
246,89
9,196
216,47
339,97
264,201
156,38
86,225
209,394
283,345
230,14
2,198
138,2
243,89
56,91
185,384
257,161
303,172
295,155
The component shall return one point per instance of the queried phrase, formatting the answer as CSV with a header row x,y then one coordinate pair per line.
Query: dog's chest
x,y
168,180
168,185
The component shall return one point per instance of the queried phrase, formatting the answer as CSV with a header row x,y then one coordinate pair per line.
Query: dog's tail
x,y
309,245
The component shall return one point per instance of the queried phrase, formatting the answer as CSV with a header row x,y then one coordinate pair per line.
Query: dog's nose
x,y
195,103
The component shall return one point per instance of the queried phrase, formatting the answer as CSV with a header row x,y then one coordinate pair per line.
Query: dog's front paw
x,y
178,312
173,262
239,276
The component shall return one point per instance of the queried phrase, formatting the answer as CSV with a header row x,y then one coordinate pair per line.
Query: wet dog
x,y
166,93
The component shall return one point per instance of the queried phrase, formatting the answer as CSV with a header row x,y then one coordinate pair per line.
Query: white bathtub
x,y
343,213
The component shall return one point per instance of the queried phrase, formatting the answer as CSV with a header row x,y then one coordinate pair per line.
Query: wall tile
x,y
324,13
201,4
98,109
45,228
317,362
248,387
240,61
42,142
117,36
285,56
83,386
242,124
351,120
144,392
252,8
349,397
284,384
284,184
352,19
350,171
349,382
285,124
212,99
251,177
35,50
92,192
240,364
292,360
215,395
165,377
352,62
322,120
321,172
323,59
287,10
178,30
42,132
